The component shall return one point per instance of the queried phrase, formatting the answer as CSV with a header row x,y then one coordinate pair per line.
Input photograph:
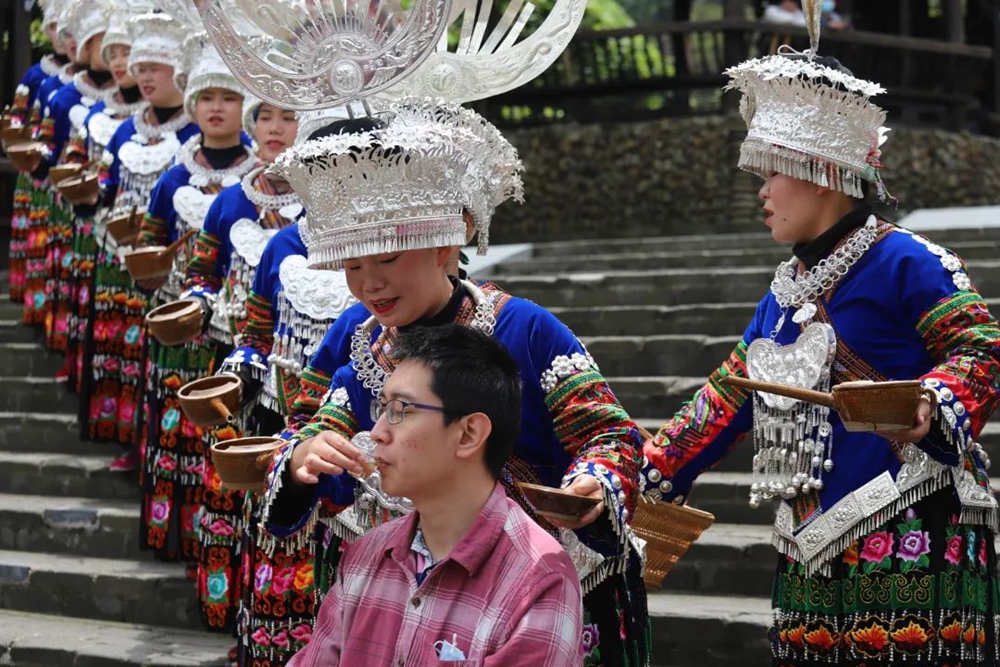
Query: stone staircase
x,y
659,315
74,587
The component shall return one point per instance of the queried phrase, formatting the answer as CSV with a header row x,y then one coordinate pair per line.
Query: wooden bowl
x,y
14,134
175,323
60,173
148,263
669,531
79,190
878,406
211,401
242,463
124,229
26,155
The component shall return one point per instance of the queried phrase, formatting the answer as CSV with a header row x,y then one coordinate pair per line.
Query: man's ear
x,y
476,429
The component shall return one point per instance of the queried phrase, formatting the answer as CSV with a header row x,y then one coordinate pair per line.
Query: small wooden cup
x,y
148,263
125,228
175,323
242,463
14,134
60,173
26,155
80,190
211,401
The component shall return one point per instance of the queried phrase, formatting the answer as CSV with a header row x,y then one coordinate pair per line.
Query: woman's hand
x,y
921,425
586,486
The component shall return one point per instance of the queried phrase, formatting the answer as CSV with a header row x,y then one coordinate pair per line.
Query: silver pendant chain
x,y
147,131
202,176
263,201
792,289
91,91
373,376
115,109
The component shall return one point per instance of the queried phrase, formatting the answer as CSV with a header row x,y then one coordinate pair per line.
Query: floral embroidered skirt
x,y
25,189
173,453
84,256
59,275
922,589
280,591
114,353
280,599
220,529
35,250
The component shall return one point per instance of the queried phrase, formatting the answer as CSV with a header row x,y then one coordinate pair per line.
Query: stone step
x,y
706,319
728,559
662,394
672,354
667,287
676,286
28,360
13,331
716,630
105,589
37,640
697,242
79,526
10,310
47,474
29,394
691,258
35,432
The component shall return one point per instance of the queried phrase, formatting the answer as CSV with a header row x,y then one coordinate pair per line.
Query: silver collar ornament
x,y
793,440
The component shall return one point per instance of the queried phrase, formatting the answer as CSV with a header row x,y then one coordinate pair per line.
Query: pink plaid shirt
x,y
506,595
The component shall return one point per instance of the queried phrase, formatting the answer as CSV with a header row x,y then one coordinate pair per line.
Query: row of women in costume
x,y
886,539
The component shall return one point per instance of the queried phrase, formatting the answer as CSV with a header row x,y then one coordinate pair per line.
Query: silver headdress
x,y
809,121
119,32
403,186
85,20
406,185
156,38
203,69
50,10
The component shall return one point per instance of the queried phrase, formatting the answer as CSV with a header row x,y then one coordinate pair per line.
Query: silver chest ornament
x,y
792,438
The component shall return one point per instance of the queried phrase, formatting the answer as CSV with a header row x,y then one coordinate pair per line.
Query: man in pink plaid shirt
x,y
468,578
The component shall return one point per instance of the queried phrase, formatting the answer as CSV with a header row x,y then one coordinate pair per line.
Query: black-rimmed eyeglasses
x,y
395,409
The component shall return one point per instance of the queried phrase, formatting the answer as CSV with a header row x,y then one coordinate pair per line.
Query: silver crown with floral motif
x,y
404,186
808,120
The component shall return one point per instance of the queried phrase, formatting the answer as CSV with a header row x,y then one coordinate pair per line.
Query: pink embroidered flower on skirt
x,y
954,552
302,633
878,546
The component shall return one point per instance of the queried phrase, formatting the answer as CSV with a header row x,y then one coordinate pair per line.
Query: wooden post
x,y
955,20
996,56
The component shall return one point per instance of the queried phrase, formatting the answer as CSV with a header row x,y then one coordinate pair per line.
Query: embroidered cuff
x,y
654,485
243,357
951,415
596,535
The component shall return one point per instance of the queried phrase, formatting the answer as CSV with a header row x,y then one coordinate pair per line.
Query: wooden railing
x,y
677,68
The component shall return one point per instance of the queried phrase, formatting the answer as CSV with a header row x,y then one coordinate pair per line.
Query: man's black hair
x,y
348,126
470,372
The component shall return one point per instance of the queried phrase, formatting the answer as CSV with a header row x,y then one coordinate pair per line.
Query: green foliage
x,y
606,15
39,40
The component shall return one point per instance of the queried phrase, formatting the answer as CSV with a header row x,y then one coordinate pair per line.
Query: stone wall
x,y
675,176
